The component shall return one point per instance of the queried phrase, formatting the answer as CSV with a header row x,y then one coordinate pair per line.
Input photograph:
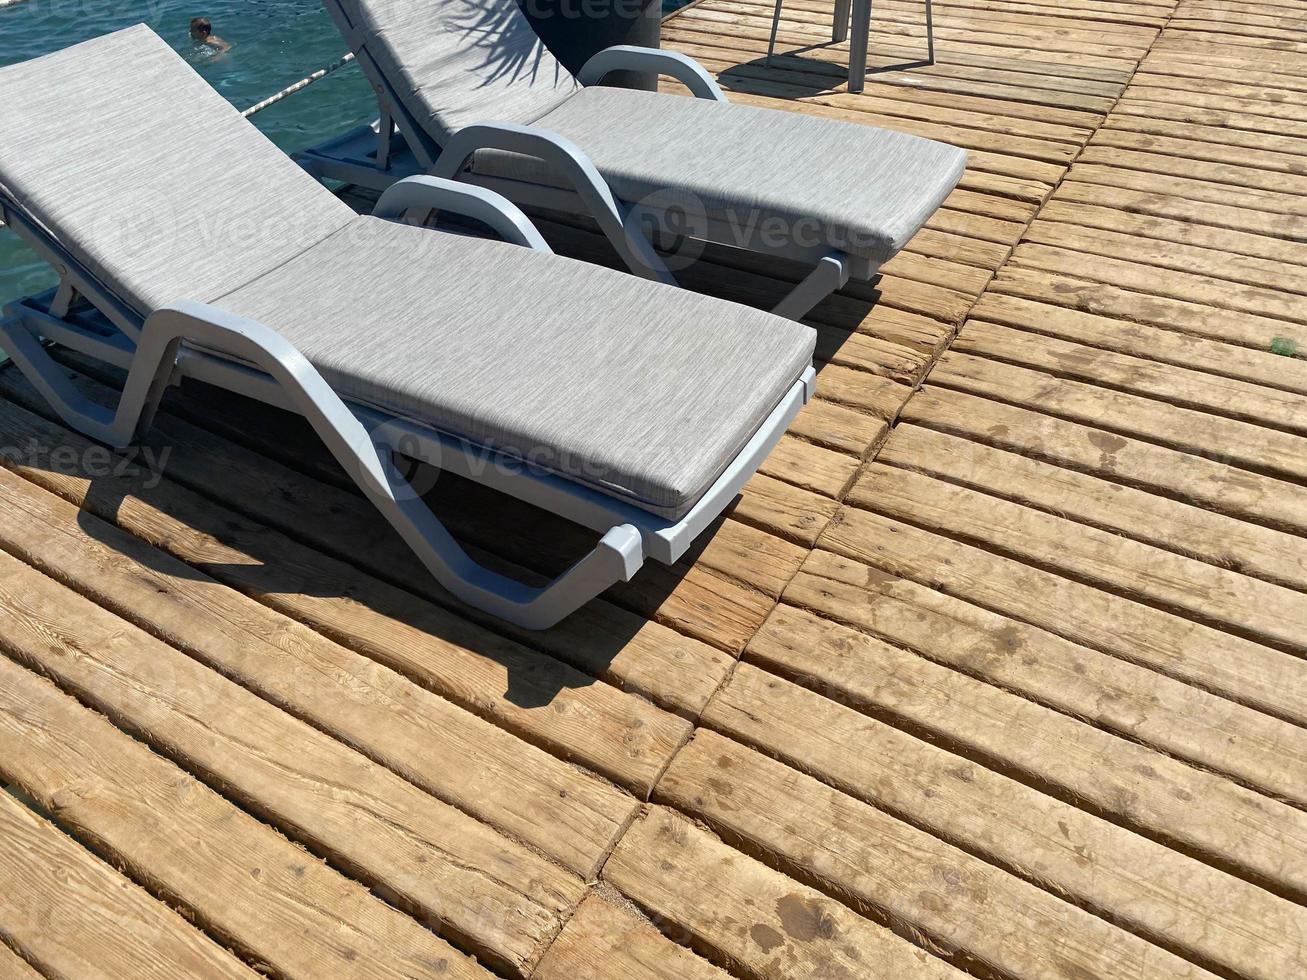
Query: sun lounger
x,y
475,96
188,246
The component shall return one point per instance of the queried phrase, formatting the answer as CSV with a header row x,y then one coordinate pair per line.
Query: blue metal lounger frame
x,y
195,340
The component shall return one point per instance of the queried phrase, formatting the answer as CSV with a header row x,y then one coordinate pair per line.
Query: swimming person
x,y
202,33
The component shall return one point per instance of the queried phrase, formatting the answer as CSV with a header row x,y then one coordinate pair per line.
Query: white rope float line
x,y
301,84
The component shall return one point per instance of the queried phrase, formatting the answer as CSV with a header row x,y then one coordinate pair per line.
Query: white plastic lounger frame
x,y
368,157
249,358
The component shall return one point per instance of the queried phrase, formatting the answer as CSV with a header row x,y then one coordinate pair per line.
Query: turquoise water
x,y
274,44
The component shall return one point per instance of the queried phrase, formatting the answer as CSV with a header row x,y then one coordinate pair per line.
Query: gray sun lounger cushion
x,y
482,60
640,390
149,177
856,188
841,185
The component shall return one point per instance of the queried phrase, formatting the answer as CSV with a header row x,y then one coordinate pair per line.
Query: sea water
x,y
274,44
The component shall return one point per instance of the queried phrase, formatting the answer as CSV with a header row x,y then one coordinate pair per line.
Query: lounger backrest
x,y
453,62
149,179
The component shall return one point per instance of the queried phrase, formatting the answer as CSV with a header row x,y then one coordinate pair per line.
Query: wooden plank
x,y
1259,212
1133,784
1142,886
1203,290
1096,206
811,467
1121,459
604,940
75,916
862,391
241,880
925,889
1215,138
1237,177
1063,226
525,792
866,352
1251,447
838,427
1269,372
740,912
1269,156
1143,112
1212,394
1188,319
1171,524
618,735
16,968
486,894
1231,666
796,515
1215,95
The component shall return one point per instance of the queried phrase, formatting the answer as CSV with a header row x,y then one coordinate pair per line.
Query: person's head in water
x,y
202,33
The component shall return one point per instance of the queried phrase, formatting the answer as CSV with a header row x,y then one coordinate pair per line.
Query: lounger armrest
x,y
628,57
416,197
570,162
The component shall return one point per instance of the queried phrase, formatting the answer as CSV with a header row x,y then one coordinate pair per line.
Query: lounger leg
x,y
146,382
930,35
367,456
776,26
65,298
840,27
830,274
385,134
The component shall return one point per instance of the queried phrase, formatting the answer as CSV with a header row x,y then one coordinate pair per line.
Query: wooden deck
x,y
996,669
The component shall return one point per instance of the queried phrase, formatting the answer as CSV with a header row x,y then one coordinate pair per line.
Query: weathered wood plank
x,y
919,885
1130,273
555,807
16,968
1270,373
486,894
603,941
1163,219
742,913
244,882
1231,666
1176,385
1188,319
617,734
1138,884
1161,521
1251,447
923,692
838,427
77,917
1064,226
1207,483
